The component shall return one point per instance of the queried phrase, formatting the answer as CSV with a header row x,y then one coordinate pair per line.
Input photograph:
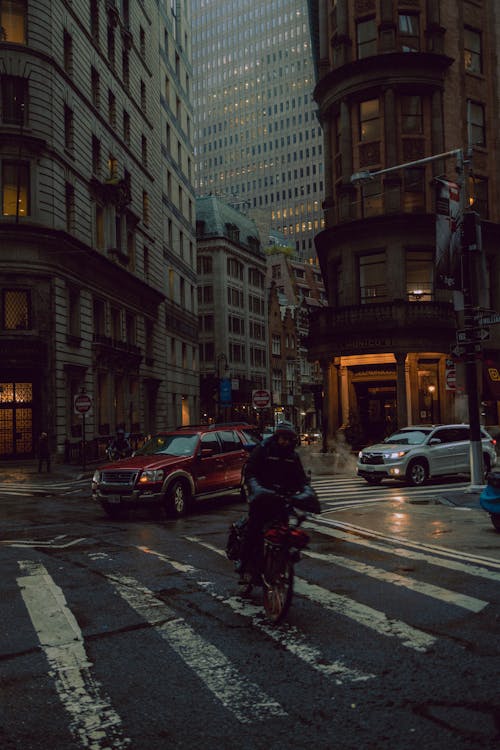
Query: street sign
x,y
225,392
451,379
261,399
487,319
471,335
82,403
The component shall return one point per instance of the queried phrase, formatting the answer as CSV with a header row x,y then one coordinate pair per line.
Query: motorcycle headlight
x,y
97,477
151,475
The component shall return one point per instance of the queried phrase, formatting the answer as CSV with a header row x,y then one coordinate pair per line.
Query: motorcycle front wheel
x,y
277,578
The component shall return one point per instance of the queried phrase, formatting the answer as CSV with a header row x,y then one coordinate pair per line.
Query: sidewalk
x,y
27,471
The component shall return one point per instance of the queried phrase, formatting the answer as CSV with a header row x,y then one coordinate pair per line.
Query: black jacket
x,y
266,471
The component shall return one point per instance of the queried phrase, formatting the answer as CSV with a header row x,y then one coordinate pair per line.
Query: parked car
x,y
415,453
173,469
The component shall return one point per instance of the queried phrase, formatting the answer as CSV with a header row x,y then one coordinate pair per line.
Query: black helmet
x,y
286,429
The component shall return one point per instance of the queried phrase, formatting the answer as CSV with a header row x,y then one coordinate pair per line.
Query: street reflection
x,y
398,522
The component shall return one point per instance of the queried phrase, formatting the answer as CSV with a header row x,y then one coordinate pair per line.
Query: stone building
x,y
401,83
232,311
97,271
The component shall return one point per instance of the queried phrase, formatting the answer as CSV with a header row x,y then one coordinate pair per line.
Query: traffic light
x,y
471,231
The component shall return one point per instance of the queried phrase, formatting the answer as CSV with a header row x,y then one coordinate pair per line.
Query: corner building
x,y
398,82
98,267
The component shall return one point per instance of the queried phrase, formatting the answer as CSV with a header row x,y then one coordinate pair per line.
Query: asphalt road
x,y
134,634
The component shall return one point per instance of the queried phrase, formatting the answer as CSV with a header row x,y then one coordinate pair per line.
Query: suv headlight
x,y
393,455
151,475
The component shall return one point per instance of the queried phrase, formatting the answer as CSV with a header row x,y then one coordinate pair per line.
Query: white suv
x,y
413,454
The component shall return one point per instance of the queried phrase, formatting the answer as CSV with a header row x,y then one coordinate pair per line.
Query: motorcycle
x,y
489,499
271,564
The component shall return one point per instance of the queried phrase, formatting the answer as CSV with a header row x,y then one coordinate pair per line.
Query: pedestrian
x,y
43,452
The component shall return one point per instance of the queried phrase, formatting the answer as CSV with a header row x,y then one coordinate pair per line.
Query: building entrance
x,y
16,420
377,410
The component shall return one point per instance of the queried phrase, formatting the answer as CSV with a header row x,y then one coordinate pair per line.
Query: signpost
x,y
82,405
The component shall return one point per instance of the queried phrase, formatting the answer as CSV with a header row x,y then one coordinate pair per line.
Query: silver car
x,y
415,453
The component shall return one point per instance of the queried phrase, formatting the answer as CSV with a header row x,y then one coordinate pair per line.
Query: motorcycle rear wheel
x,y
277,578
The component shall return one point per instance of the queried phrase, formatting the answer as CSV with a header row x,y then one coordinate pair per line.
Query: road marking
x,y
427,589
36,543
367,616
94,723
288,636
389,545
236,692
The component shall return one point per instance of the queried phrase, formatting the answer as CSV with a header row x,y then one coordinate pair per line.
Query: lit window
x,y
13,21
15,189
16,312
369,120
472,51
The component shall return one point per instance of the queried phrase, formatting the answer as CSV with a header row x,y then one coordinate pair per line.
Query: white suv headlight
x,y
151,475
393,455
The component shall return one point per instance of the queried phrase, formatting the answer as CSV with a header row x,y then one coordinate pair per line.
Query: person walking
x,y
43,452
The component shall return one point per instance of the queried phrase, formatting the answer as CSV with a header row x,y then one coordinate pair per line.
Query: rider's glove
x,y
307,500
255,489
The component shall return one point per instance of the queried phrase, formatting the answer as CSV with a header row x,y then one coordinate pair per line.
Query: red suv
x,y
173,469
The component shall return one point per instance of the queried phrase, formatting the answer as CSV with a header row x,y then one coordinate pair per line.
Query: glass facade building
x,y
258,142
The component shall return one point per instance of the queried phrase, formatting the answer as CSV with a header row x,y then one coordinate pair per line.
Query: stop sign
x,y
82,403
261,399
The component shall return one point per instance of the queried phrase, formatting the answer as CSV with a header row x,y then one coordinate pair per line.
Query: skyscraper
x,y
258,143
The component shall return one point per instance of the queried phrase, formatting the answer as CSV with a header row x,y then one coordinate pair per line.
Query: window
x,y
413,189
112,109
14,99
111,46
411,115
372,278
96,155
369,120
276,344
67,52
472,51
99,227
230,441
366,34
68,128
144,151
74,312
94,20
142,41
70,207
16,310
125,68
476,124
13,21
145,207
419,269
143,98
372,203
126,128
15,189
95,86
409,34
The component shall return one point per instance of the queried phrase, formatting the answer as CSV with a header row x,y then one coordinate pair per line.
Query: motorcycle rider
x,y
119,446
274,466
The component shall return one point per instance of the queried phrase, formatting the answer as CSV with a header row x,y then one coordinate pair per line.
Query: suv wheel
x,y
417,473
177,500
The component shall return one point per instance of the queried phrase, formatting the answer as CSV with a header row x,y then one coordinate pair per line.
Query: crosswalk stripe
x,y
94,722
361,613
291,638
236,692
394,546
427,589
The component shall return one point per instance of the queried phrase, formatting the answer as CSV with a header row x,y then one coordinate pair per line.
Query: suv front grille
x,y
372,458
119,477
